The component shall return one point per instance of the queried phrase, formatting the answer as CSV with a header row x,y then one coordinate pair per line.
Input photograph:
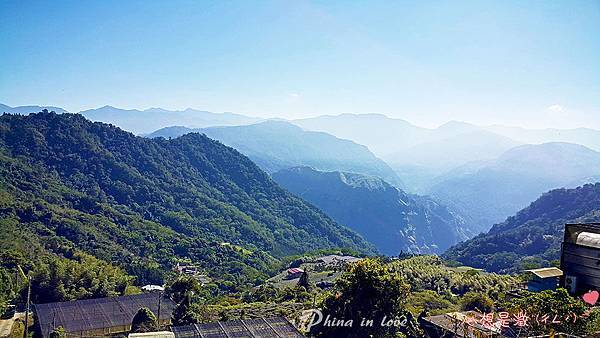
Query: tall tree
x,y
182,287
143,321
183,314
304,281
563,313
368,290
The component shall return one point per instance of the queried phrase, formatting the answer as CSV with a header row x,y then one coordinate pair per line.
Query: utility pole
x,y
16,285
27,307
160,293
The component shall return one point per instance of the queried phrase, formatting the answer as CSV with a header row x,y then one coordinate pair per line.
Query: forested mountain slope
x,y
532,237
386,216
69,185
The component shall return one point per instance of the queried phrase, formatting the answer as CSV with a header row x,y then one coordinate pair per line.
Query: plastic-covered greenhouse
x,y
276,327
101,316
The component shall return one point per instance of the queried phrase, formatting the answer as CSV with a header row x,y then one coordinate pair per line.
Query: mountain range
x,y
490,191
485,173
276,145
149,120
420,155
533,236
388,217
144,204
394,135
29,109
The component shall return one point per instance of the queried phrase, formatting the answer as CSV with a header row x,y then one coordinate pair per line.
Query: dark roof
x,y
91,314
275,327
453,322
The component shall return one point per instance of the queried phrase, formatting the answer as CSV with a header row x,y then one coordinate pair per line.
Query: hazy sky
x,y
528,63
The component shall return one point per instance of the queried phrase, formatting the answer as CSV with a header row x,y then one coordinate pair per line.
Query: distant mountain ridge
x,y
532,237
584,136
276,145
420,155
386,216
453,151
149,120
394,135
23,110
382,134
493,190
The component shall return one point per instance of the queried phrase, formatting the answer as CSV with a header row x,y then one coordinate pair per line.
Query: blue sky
x,y
528,63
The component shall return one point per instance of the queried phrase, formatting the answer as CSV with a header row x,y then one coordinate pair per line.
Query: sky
x,y
532,63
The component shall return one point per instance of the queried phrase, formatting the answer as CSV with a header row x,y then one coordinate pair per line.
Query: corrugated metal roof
x,y
546,272
99,313
275,327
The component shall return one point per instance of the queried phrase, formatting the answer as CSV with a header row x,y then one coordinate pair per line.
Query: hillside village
x,y
569,285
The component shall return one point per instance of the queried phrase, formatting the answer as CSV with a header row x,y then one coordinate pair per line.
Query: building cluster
x,y
192,271
579,273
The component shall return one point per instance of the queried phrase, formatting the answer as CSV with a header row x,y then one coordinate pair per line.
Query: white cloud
x,y
294,95
556,108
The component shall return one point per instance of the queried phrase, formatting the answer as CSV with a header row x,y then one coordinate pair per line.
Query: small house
x,y
294,273
152,288
543,279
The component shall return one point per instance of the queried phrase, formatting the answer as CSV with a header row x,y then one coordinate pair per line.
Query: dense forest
x,y
76,194
532,237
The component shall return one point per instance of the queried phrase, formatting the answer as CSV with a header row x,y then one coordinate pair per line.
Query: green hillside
x,y
533,236
71,188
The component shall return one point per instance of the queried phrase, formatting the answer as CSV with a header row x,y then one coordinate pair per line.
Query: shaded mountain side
x,y
532,237
384,215
144,204
276,145
488,192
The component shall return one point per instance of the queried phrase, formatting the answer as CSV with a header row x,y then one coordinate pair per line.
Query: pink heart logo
x,y
591,297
